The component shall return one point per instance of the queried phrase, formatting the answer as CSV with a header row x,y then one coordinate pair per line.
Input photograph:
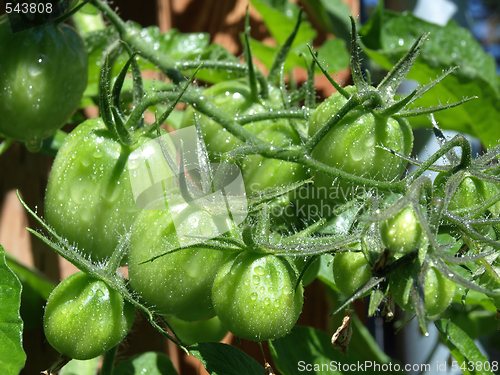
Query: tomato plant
x,y
84,317
44,74
203,259
255,296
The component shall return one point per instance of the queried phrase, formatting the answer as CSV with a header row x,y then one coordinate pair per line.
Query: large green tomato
x,y
254,296
84,317
352,146
234,98
43,76
179,283
89,198
438,290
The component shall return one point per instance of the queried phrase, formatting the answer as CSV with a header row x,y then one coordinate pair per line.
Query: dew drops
x,y
259,270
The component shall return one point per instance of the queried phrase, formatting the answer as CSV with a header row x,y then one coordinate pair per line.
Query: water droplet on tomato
x,y
259,270
256,280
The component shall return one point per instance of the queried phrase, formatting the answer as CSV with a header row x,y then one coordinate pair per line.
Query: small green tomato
x,y
350,271
401,233
438,290
84,317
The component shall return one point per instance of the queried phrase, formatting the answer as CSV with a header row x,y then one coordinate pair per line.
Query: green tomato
x,y
234,98
352,146
190,333
438,290
350,271
89,198
470,193
401,233
254,296
44,75
179,283
84,317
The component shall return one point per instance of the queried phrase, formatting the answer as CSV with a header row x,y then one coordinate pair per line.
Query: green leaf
x,y
35,291
332,16
223,359
388,35
306,346
174,44
281,25
12,356
333,54
149,363
76,367
461,346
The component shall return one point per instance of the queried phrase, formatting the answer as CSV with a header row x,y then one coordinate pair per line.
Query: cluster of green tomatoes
x,y
404,242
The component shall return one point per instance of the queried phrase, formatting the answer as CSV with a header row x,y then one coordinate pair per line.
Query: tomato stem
x,y
133,37
357,74
108,362
68,15
457,141
310,101
273,115
252,82
339,88
273,76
